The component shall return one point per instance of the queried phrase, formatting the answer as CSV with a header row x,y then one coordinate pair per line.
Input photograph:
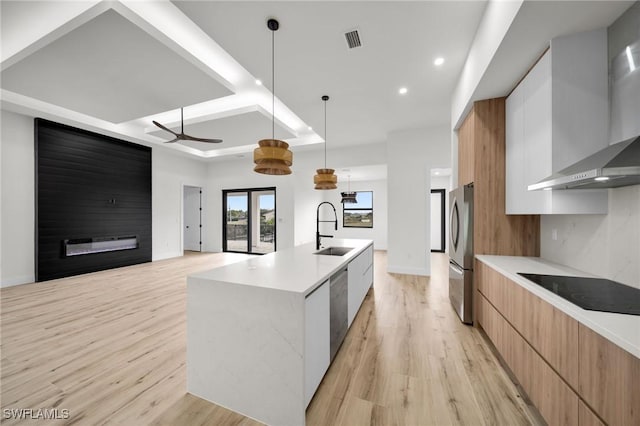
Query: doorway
x,y
437,220
249,220
192,218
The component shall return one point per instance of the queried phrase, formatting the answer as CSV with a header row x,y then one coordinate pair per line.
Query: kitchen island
x,y
258,331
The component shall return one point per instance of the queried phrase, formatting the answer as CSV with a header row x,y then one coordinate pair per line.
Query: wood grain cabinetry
x,y
586,417
553,334
572,374
609,379
481,160
553,398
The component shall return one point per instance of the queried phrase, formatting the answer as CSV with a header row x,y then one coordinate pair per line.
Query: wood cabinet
x,y
572,374
360,272
558,115
550,332
317,339
553,398
609,379
481,160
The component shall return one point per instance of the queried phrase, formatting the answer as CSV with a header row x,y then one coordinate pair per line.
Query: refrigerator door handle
x,y
456,268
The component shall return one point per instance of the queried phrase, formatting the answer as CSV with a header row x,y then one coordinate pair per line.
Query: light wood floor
x,y
110,347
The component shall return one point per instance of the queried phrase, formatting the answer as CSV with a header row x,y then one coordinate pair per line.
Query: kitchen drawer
x,y
586,417
550,332
609,379
553,398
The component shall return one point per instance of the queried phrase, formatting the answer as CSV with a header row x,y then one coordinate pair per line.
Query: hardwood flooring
x,y
110,348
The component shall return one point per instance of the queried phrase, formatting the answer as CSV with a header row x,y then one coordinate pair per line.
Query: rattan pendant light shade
x,y
325,178
272,157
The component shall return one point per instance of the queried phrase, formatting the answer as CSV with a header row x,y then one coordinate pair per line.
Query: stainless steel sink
x,y
334,251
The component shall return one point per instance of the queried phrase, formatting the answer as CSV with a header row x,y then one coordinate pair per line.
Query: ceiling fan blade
x,y
193,138
165,128
173,140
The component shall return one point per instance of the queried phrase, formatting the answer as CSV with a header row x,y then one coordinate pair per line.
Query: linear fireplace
x,y
82,246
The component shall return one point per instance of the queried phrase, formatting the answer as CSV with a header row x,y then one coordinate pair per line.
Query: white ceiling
x,y
114,66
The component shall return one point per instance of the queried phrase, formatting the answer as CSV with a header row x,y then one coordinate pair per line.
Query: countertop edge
x,y
565,306
360,245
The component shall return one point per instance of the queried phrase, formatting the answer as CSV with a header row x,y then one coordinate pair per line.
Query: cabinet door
x,y
609,379
317,339
514,151
537,132
354,270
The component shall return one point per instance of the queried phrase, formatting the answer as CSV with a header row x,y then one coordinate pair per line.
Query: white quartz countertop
x,y
621,329
296,269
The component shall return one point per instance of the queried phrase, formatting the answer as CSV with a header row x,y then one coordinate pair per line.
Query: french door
x,y
249,220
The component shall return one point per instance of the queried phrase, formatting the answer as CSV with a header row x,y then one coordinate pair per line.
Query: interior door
x,y
192,218
437,220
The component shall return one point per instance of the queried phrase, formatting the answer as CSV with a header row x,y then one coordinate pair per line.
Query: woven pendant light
x,y
348,197
325,179
272,157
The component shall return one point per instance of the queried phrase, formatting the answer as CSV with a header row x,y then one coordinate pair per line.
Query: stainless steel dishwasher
x,y
338,310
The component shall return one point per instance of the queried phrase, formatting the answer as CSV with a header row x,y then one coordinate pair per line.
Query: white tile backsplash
x,y
604,245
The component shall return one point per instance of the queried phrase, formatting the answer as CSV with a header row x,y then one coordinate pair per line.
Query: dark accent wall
x,y
88,186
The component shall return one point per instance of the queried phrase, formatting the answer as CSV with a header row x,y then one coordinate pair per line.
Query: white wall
x,y
604,245
169,173
379,231
411,155
296,198
18,205
239,174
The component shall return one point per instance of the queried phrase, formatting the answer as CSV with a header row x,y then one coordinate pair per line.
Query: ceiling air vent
x,y
353,39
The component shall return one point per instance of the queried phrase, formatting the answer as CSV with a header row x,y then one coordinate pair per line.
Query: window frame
x,y
347,209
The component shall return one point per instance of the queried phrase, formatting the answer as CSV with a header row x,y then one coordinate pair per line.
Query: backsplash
x,y
604,245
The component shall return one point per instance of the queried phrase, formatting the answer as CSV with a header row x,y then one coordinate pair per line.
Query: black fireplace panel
x,y
94,189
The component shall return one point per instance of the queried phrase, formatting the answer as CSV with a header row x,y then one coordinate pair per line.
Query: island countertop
x,y
296,269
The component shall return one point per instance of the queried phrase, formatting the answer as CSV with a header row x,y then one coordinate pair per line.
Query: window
x,y
360,214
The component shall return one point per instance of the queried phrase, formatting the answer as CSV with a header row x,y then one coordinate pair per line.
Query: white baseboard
x,y
167,255
408,271
10,282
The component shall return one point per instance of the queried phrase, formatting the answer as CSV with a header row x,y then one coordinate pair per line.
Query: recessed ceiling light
x,y
439,61
309,128
436,173
601,178
258,82
403,90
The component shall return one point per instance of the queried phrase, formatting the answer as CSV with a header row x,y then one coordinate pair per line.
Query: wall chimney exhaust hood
x,y
615,166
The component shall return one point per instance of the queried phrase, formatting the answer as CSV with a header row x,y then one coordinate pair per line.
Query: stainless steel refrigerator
x,y
461,251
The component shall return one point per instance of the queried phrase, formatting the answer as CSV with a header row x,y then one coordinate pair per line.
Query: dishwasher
x,y
338,289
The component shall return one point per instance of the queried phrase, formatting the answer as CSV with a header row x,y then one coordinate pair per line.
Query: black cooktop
x,y
594,294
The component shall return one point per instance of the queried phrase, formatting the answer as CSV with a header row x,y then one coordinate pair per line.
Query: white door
x,y
191,215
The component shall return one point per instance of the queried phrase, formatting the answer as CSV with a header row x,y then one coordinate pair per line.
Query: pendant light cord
x,y
325,134
273,85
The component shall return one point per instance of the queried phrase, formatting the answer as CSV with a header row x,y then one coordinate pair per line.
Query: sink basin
x,y
334,251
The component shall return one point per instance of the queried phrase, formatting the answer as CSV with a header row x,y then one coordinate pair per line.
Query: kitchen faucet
x,y
318,223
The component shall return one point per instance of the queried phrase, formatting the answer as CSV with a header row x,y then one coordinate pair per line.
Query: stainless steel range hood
x,y
615,166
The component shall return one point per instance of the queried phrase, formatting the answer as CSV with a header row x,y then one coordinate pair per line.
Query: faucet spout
x,y
335,222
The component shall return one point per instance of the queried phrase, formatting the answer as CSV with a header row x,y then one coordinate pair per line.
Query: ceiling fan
x,y
182,136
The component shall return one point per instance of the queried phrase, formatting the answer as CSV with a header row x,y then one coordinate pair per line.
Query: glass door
x,y
249,224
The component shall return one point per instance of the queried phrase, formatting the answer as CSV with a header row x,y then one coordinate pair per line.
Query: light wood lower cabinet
x,y
609,379
553,398
549,331
572,374
586,416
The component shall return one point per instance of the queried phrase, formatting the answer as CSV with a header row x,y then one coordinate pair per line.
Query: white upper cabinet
x,y
556,116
